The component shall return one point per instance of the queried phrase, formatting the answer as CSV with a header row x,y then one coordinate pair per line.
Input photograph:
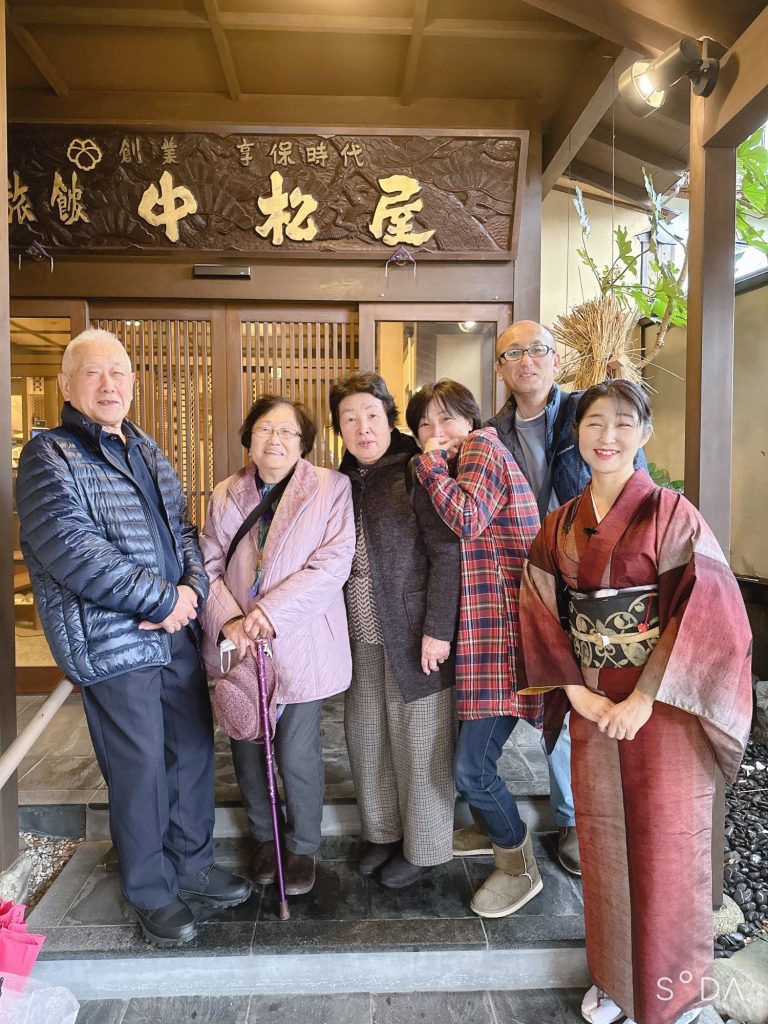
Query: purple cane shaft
x,y
261,678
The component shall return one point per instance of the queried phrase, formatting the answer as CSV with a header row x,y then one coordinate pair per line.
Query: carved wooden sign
x,y
311,192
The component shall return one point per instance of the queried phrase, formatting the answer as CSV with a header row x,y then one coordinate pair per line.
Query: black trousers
x,y
152,731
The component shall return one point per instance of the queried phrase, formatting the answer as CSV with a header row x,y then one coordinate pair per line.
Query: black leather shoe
x,y
399,872
171,925
215,887
376,855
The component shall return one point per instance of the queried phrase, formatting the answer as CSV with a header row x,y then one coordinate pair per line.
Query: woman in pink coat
x,y
283,580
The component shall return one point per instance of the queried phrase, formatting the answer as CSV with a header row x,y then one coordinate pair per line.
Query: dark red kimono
x,y
644,807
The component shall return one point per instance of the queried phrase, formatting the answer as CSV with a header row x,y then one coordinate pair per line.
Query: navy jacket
x,y
93,549
570,473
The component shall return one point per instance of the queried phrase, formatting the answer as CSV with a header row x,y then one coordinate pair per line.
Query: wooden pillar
x,y
710,346
9,805
709,366
527,300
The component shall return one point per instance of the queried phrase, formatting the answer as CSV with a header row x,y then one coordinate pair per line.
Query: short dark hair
x,y
623,393
265,404
450,395
362,384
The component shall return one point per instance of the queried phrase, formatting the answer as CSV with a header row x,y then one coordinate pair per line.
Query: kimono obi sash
x,y
614,628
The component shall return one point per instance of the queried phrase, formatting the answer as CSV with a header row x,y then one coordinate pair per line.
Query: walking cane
x,y
262,646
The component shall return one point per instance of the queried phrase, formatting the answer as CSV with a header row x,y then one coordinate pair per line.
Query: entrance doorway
x,y
414,345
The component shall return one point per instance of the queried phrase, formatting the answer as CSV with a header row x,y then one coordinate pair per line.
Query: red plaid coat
x,y
491,508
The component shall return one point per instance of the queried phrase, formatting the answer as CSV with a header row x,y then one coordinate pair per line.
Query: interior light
x,y
644,85
467,326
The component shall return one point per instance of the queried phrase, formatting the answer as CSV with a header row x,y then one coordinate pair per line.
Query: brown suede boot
x,y
264,862
299,873
515,881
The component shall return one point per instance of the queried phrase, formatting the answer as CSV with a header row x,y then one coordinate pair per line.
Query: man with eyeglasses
x,y
536,425
119,581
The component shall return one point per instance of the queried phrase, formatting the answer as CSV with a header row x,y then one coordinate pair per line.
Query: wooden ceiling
x,y
331,62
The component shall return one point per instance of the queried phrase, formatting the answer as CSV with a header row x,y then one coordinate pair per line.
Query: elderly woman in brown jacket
x,y
402,605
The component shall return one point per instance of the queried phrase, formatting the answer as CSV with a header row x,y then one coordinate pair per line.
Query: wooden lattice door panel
x,y
173,399
300,359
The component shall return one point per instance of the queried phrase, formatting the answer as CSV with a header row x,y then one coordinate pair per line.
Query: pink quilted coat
x,y
306,561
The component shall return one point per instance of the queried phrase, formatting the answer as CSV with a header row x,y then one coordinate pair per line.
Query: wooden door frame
x,y
483,312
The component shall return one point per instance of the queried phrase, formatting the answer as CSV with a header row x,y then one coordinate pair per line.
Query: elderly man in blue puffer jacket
x,y
119,578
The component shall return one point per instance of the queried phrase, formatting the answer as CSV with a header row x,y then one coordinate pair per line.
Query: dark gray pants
x,y
153,736
299,757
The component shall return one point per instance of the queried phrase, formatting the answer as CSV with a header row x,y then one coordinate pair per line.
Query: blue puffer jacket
x,y
93,550
570,473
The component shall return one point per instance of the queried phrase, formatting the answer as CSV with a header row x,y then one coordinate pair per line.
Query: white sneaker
x,y
599,1008
686,1018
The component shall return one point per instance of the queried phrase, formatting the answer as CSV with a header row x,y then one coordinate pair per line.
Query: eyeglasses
x,y
514,355
284,433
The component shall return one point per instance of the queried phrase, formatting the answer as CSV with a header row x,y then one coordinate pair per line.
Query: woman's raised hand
x,y
449,445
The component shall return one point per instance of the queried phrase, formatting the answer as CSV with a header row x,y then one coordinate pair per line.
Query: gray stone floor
x,y
522,1007
61,767
81,915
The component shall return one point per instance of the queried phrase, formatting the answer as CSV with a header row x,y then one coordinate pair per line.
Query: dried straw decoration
x,y
598,334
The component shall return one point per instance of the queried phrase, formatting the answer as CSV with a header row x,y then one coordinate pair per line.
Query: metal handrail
x,y
11,758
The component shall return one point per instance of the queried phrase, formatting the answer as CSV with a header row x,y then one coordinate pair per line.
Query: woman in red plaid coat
x,y
479,491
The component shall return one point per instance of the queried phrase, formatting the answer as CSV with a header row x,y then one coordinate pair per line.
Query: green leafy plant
x,y
752,191
663,297
661,477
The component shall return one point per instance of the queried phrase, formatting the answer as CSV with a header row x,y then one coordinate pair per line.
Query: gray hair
x,y
92,334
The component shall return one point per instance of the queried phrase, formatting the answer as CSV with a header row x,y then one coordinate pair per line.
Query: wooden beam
x,y
206,110
602,179
646,154
739,103
222,48
710,345
38,58
414,51
544,31
583,108
9,802
609,20
717,20
254,21
109,17
598,196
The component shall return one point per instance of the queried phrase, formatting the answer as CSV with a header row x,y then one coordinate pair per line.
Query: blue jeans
x,y
477,778
559,764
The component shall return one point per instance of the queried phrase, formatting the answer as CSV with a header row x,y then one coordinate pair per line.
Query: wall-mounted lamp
x,y
644,85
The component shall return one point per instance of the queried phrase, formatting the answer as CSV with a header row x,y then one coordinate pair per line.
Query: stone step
x,y
341,817
352,934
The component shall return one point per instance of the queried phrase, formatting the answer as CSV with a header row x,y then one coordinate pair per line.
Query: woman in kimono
x,y
653,654
480,492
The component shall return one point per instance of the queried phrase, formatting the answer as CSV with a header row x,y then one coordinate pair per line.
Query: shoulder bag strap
x,y
270,500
